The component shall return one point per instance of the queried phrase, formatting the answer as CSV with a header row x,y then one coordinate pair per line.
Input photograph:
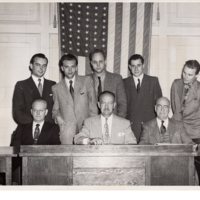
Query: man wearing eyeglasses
x,y
162,129
142,91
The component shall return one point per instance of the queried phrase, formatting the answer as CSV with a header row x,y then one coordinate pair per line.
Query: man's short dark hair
x,y
106,93
67,57
38,55
97,51
193,64
136,57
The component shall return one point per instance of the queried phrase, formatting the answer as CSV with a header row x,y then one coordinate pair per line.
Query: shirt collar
x,y
35,79
139,77
67,81
166,122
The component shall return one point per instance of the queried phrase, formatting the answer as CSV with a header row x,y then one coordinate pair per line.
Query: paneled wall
x,y
176,38
25,29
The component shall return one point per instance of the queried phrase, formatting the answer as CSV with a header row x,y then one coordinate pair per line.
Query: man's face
x,y
39,111
136,67
106,105
189,75
39,67
98,63
69,68
162,109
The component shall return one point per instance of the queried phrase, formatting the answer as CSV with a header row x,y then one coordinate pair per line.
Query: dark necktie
x,y
186,91
36,133
99,86
106,132
138,86
162,128
71,89
40,86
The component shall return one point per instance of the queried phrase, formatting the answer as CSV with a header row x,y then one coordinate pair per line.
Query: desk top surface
x,y
107,150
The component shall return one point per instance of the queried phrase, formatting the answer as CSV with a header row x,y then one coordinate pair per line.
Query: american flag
x,y
120,29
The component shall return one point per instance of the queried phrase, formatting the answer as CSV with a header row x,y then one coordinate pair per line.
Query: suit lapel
x,y
156,131
45,88
32,88
66,92
170,130
43,133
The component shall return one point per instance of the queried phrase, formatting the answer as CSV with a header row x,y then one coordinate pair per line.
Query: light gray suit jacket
x,y
175,129
73,112
121,132
190,113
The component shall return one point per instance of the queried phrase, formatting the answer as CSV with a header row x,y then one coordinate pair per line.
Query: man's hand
x,y
96,141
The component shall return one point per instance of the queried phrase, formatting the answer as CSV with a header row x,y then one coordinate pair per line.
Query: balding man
x,y
106,128
39,131
162,129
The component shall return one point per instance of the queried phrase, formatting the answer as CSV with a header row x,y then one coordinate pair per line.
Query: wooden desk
x,y
6,154
108,165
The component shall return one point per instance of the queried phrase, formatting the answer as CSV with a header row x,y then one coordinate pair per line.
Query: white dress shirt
x,y
35,79
67,81
159,122
136,79
103,121
34,126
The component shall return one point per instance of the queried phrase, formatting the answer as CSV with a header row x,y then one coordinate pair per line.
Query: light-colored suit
x,y
190,113
121,132
113,82
73,112
175,129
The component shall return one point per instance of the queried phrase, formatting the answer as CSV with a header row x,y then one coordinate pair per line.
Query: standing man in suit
x,y
74,99
106,128
185,98
142,91
39,131
163,129
104,80
28,90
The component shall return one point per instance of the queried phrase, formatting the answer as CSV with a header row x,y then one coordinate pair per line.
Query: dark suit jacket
x,y
113,82
23,135
140,107
176,131
24,94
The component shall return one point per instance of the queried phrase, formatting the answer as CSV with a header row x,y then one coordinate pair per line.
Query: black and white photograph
x,y
100,94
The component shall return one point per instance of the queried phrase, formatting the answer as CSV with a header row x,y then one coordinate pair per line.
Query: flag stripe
x,y
147,34
81,65
111,36
125,39
139,28
132,36
118,37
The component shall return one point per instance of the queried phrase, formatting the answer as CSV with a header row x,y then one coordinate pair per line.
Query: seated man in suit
x,y
163,129
39,131
106,128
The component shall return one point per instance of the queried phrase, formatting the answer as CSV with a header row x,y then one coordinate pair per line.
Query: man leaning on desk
x,y
106,128
162,129
39,131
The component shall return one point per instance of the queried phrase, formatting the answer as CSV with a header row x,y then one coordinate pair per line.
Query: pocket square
x,y
50,94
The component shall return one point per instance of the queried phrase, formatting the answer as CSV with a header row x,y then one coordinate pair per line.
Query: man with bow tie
x,y
185,98
162,129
